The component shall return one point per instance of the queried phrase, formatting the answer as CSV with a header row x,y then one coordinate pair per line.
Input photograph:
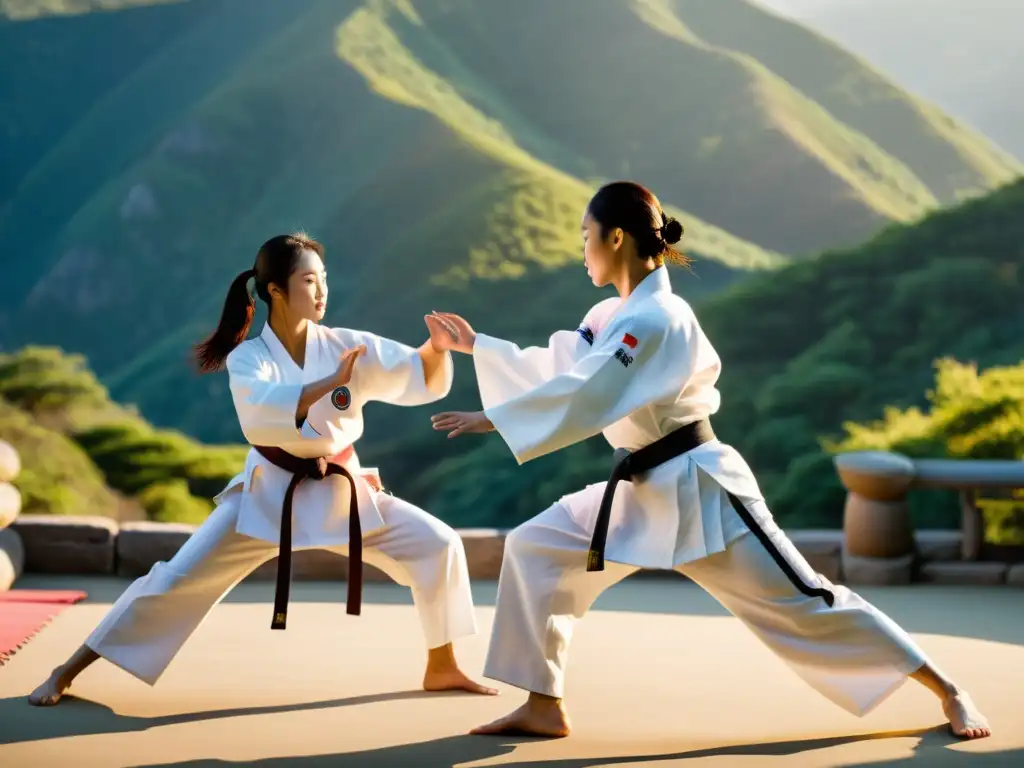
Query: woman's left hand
x,y
461,422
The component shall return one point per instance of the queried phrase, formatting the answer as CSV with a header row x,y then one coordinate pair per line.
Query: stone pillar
x,y
878,538
12,551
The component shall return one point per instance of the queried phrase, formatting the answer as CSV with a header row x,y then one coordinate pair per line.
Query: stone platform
x,y
85,545
659,675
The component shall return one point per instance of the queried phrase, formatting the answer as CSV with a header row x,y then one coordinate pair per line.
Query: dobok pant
x,y
155,616
852,653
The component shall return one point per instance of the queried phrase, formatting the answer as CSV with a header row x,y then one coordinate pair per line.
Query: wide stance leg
x,y
851,652
543,590
420,552
152,619
155,616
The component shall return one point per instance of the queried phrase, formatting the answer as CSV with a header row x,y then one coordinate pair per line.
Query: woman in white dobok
x,y
299,392
640,370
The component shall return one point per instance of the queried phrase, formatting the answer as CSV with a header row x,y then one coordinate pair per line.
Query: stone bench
x,y
967,477
879,543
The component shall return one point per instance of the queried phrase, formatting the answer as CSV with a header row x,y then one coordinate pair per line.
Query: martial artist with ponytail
x,y
299,389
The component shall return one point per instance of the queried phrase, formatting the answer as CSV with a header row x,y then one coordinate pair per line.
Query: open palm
x,y
460,334
347,363
442,338
457,423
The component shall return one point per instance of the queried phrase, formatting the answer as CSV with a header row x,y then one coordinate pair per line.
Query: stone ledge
x,y
66,544
877,571
1015,575
141,544
98,545
485,549
822,549
964,573
316,565
941,545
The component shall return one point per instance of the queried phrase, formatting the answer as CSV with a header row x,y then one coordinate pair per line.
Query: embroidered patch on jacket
x,y
622,357
587,334
629,340
341,398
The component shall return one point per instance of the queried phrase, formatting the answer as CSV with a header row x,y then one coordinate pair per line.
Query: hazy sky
x,y
964,55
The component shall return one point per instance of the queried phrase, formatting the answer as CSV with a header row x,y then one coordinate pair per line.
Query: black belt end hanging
x,y
355,554
595,557
284,559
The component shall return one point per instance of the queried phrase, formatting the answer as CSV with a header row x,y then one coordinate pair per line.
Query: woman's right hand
x,y
346,364
459,335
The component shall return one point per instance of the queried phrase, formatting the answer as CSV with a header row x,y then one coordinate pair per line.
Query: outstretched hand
x,y
460,422
346,364
450,332
441,338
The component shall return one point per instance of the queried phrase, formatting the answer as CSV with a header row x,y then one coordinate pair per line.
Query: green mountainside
x,y
846,351
443,150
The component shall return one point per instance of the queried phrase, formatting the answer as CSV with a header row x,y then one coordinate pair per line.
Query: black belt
x,y
313,469
676,443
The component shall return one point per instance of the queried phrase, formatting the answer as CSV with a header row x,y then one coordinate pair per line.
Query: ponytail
x,y
235,319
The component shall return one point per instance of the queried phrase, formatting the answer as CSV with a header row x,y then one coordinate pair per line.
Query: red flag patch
x,y
629,340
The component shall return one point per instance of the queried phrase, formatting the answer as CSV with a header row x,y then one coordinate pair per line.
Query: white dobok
x,y
635,370
153,618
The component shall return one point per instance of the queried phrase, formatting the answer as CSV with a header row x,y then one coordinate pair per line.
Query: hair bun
x,y
672,231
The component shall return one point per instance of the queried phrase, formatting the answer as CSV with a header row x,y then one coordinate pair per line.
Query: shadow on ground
x,y
21,722
448,752
81,717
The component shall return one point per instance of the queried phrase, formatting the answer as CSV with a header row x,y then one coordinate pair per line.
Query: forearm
x,y
313,392
433,366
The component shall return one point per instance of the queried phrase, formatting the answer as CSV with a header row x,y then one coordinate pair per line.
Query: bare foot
x,y
50,692
535,718
454,680
964,718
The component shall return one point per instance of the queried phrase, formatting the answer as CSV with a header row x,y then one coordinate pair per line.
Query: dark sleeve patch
x,y
587,334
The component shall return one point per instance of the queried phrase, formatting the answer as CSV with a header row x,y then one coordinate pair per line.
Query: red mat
x,y
23,612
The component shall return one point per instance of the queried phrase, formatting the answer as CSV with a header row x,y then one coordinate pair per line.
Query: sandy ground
x,y
659,675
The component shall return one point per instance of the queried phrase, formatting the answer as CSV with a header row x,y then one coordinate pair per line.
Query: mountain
x,y
847,349
443,150
964,55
